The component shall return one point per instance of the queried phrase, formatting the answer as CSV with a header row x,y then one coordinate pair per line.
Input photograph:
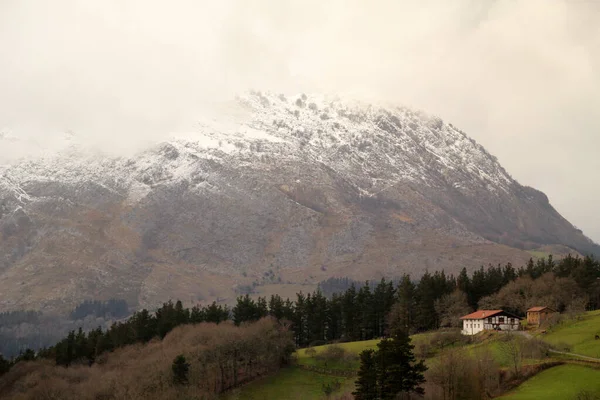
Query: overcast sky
x,y
521,77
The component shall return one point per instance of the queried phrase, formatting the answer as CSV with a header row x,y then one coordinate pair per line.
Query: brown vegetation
x,y
220,357
549,290
458,375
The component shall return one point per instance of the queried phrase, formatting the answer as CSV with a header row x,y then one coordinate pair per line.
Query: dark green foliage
x,y
390,370
180,370
366,384
403,314
26,355
247,310
397,369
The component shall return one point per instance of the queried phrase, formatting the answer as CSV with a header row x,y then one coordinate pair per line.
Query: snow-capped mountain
x,y
275,191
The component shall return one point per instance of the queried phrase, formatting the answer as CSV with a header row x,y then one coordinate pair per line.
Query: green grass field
x,y
292,383
352,349
497,349
562,382
299,383
350,361
579,335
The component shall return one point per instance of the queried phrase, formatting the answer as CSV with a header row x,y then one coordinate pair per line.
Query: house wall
x,y
537,317
533,317
474,326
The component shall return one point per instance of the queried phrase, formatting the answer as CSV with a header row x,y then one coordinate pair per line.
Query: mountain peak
x,y
276,189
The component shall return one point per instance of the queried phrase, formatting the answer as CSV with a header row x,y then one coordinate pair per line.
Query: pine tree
x,y
350,315
197,315
427,294
180,370
262,309
182,315
401,315
366,316
366,384
334,318
276,307
300,328
397,370
245,310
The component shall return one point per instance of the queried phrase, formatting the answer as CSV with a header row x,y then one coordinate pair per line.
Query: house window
x,y
489,320
501,320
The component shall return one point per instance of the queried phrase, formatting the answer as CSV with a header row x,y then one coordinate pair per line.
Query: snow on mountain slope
x,y
274,190
371,146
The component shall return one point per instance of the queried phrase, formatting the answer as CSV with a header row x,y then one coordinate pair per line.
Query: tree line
x,y
198,361
435,300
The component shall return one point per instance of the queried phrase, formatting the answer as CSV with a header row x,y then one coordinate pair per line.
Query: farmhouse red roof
x,y
534,309
481,314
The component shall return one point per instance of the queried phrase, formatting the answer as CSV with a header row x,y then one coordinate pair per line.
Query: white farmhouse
x,y
482,320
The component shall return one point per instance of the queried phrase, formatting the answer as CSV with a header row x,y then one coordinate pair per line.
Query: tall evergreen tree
x,y
366,384
397,370
366,316
427,294
403,311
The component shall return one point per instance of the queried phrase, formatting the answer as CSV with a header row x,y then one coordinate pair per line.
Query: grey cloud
x,y
521,77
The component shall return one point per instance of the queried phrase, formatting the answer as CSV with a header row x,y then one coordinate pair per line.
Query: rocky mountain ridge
x,y
277,190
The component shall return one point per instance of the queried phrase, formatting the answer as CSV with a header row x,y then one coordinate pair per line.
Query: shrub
x,y
423,349
536,349
180,370
311,352
440,340
332,353
330,388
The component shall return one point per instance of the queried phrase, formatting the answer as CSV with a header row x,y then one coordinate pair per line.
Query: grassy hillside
x,y
304,382
292,383
562,382
347,359
578,335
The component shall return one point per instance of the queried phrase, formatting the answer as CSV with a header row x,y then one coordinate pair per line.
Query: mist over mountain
x,y
280,190
520,77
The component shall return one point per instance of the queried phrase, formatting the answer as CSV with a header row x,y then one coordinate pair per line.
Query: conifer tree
x,y
180,370
366,384
403,311
397,369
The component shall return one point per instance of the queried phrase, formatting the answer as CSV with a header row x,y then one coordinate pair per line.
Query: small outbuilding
x,y
537,315
482,320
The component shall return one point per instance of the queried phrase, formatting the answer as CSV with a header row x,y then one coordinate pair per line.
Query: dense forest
x,y
436,300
